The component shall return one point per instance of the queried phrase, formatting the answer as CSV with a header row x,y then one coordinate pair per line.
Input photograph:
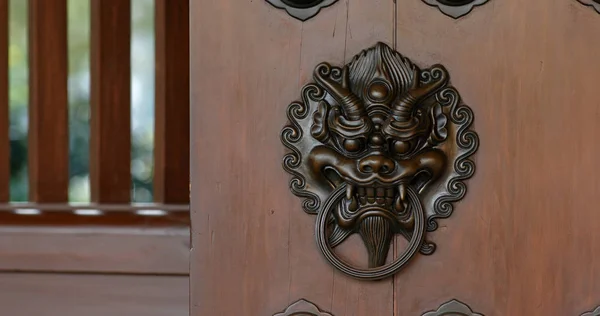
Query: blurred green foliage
x,y
142,83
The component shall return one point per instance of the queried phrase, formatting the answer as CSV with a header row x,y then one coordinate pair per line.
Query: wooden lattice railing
x,y
110,158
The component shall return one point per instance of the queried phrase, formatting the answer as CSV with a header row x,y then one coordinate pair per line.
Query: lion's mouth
x,y
376,205
389,202
389,194
385,196
376,213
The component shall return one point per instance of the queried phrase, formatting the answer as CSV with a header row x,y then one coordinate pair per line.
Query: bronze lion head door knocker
x,y
378,147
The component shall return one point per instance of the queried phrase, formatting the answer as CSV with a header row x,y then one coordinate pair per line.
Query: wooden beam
x,y
48,102
172,102
4,114
57,294
67,207
110,157
95,250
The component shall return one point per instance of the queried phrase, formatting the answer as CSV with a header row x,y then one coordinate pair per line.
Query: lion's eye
x,y
352,145
402,147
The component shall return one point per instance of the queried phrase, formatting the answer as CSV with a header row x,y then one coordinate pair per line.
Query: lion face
x,y
377,128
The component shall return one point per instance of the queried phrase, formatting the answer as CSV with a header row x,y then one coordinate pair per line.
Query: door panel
x,y
253,246
521,242
524,240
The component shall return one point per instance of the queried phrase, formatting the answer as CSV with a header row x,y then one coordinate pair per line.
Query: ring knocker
x,y
415,239
378,148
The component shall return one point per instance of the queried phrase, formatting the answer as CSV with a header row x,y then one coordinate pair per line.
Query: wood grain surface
x,y
95,250
525,239
4,105
48,135
172,102
26,294
522,242
252,243
110,101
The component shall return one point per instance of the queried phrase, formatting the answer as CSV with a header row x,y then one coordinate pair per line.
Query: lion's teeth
x,y
380,195
402,191
389,192
361,191
362,199
351,197
349,191
371,195
353,204
389,201
399,205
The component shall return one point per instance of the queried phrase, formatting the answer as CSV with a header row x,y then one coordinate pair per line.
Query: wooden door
x,y
523,241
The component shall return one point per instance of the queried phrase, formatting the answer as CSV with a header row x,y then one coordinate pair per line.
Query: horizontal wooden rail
x,y
62,207
95,249
50,294
106,215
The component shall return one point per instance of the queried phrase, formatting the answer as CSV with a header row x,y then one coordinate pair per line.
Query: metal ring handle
x,y
370,273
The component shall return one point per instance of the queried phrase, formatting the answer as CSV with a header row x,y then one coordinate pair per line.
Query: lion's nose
x,y
376,164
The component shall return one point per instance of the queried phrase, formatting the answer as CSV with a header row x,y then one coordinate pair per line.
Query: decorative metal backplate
x,y
455,8
595,312
302,308
453,308
378,147
593,3
301,9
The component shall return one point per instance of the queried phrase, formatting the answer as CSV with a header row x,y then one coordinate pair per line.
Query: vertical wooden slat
x,y
4,115
48,116
172,102
110,156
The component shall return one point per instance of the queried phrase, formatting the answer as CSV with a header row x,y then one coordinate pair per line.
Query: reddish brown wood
x,y
48,103
95,249
251,238
93,295
525,240
335,35
172,102
138,214
4,115
110,174
111,219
